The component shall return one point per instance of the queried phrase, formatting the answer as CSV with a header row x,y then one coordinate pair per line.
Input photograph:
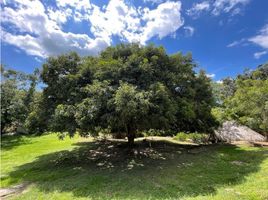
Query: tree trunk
x,y
131,140
130,136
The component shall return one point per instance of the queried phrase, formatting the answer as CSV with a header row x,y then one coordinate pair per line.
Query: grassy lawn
x,y
81,168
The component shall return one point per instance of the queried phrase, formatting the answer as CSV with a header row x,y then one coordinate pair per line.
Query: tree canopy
x,y
127,88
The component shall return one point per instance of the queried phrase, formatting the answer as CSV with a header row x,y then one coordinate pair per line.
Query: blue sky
x,y
224,36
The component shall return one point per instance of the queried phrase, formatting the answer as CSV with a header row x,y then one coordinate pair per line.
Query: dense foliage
x,y
127,89
244,99
17,98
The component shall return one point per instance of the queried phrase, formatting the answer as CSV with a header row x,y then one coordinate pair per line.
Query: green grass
x,y
85,169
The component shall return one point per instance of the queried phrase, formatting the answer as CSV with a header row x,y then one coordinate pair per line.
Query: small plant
x,y
181,136
193,137
198,137
153,132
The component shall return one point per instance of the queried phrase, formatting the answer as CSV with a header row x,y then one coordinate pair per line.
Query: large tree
x,y
128,88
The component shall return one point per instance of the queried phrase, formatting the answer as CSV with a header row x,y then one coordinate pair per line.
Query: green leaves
x,y
17,98
245,99
249,103
128,88
131,105
64,119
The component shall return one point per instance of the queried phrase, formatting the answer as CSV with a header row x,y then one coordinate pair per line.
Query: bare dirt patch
x,y
17,189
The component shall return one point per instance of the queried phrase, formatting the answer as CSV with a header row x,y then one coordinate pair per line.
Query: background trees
x,y
17,97
245,99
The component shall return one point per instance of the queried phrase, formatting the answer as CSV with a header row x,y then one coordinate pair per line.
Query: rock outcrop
x,y
232,131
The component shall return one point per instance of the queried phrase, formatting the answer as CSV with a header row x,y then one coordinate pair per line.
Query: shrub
x,y
181,136
153,132
193,137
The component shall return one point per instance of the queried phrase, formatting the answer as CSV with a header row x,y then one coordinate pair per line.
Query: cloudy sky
x,y
224,36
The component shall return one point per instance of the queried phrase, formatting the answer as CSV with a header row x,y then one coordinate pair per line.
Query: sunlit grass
x,y
80,168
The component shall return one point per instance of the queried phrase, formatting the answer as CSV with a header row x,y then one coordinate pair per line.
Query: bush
x,y
199,137
193,137
181,136
153,132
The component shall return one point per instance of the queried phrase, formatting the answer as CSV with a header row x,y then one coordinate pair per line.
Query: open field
x,y
81,168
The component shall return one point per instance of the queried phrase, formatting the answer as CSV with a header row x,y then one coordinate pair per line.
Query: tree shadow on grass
x,y
9,142
155,170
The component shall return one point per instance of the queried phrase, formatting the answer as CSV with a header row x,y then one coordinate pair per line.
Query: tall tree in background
x,y
17,95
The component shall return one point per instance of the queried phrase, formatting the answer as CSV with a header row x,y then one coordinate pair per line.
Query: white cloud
x,y
56,42
217,7
80,8
236,43
257,55
219,81
28,16
211,75
77,4
136,25
116,18
40,35
31,46
153,1
262,38
59,16
162,21
228,6
42,26
189,31
198,8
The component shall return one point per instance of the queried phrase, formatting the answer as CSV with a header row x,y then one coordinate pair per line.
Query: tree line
x,y
125,90
244,99
18,97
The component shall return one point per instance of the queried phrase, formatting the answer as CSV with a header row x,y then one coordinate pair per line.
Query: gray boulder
x,y
232,131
